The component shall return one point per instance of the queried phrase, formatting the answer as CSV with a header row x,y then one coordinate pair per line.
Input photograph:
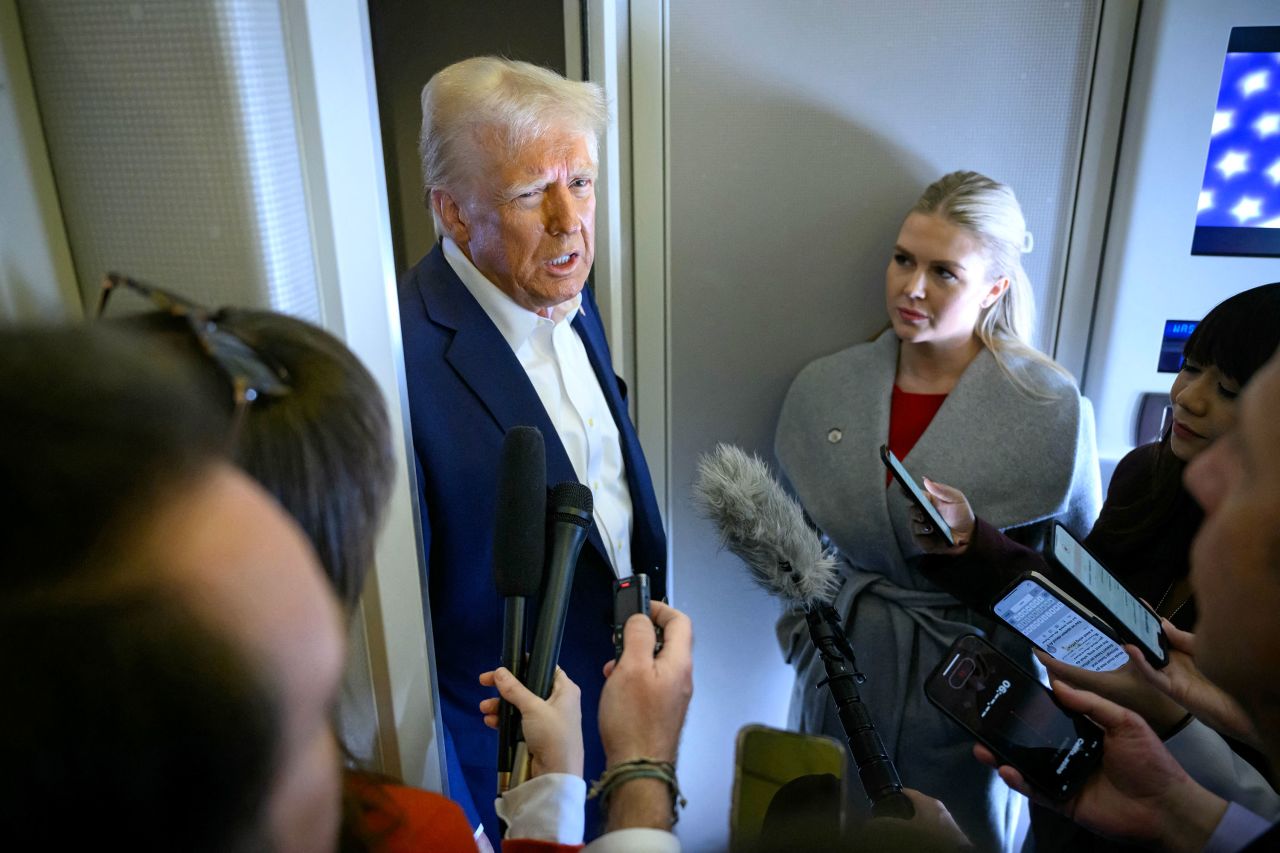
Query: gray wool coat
x,y
1023,463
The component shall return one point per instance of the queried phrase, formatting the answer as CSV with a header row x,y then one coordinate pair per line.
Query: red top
x,y
409,820
909,416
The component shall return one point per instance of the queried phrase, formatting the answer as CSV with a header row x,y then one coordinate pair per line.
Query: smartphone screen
x,y
1120,604
1015,716
1040,612
918,497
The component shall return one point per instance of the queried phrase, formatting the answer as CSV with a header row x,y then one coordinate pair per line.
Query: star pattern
x,y
1232,164
1241,186
1246,209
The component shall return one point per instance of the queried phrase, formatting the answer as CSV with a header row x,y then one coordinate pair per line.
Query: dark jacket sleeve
x,y
991,562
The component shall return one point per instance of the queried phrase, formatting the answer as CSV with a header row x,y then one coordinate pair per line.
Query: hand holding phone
x,y
1058,624
1133,620
631,596
1117,799
1015,717
916,494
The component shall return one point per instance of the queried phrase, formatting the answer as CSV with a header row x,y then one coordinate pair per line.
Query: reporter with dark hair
x,y
1143,535
320,442
1140,793
159,533
135,723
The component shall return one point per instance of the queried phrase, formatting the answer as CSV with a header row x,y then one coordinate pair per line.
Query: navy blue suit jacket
x,y
466,389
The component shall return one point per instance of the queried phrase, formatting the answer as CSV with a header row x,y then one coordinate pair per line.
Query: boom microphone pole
x,y
763,525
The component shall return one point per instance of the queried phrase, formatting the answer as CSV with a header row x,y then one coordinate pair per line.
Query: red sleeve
x,y
422,820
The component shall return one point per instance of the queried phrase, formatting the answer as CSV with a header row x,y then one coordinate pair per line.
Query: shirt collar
x,y
514,322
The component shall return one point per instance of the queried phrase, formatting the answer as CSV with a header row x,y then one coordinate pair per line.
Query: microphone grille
x,y
764,526
571,502
519,529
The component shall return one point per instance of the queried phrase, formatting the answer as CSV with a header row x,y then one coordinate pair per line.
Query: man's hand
x,y
954,508
931,819
1183,682
1139,793
642,711
645,696
1126,686
552,727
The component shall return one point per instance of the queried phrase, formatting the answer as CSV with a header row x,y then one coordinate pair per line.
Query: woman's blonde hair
x,y
990,211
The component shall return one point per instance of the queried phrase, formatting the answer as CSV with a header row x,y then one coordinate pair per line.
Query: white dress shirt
x,y
555,360
549,808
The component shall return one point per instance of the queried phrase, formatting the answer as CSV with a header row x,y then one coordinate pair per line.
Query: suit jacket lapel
x,y
484,361
646,521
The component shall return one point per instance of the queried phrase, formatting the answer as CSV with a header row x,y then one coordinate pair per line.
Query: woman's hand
x,y
552,726
1125,686
954,508
1183,682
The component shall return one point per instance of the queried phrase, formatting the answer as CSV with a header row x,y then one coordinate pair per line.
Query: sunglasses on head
x,y
252,376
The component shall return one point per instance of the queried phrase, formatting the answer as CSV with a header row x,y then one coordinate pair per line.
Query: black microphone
x,y
570,508
519,546
760,523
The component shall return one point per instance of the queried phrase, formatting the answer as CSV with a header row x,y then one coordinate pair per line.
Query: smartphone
x,y
1015,716
786,784
1058,624
918,497
1134,621
631,596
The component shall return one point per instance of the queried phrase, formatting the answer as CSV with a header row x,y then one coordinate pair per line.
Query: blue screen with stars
x,y
1238,210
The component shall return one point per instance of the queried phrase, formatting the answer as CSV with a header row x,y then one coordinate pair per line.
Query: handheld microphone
x,y
571,508
519,545
764,526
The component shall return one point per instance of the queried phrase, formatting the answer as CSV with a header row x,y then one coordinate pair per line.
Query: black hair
x,y
96,426
129,723
323,450
1237,337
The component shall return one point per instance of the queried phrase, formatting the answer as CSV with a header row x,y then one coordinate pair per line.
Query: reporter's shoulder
x,y
411,819
1049,378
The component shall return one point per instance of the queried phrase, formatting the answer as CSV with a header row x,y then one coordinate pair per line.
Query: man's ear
x,y
997,290
451,215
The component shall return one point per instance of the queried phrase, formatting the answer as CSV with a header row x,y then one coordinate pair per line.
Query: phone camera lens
x,y
961,673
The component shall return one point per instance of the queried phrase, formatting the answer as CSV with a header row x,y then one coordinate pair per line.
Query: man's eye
x,y
901,259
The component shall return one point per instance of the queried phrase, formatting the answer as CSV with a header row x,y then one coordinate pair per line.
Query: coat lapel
x,y
484,361
645,518
1010,454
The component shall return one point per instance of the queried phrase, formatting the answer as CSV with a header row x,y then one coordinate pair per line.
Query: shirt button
x,y
591,422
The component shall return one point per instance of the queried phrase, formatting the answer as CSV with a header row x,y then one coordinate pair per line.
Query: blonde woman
x,y
955,390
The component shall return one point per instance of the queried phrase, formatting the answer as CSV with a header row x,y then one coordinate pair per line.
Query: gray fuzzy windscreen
x,y
760,523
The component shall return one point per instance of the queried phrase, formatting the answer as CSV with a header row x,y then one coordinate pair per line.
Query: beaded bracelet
x,y
638,768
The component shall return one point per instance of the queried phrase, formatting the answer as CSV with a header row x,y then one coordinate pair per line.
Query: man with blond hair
x,y
500,331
